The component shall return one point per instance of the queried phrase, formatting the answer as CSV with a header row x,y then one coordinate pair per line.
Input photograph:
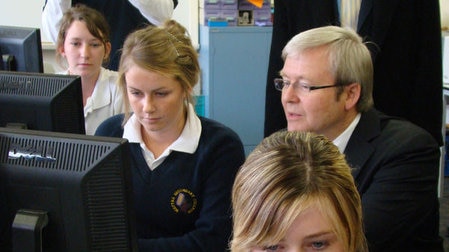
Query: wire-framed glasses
x,y
280,84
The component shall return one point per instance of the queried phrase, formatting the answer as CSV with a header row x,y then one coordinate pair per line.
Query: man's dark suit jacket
x,y
396,167
407,55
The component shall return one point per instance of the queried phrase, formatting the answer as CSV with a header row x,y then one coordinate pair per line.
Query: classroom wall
x,y
444,10
13,13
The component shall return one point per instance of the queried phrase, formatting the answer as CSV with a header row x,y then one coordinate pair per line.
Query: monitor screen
x,y
39,101
65,192
21,49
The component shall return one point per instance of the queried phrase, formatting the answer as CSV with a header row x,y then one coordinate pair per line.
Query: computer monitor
x,y
21,49
65,192
1,62
41,101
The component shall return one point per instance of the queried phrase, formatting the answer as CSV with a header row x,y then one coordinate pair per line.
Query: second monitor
x,y
21,49
39,101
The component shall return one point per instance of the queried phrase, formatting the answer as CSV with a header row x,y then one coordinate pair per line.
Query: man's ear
x,y
353,91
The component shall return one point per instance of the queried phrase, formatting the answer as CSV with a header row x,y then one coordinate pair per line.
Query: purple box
x,y
262,17
229,5
218,17
230,16
210,4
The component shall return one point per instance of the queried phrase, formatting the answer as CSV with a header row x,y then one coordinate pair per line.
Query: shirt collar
x,y
190,136
186,142
342,140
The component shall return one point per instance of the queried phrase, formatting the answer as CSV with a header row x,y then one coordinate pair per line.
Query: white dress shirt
x,y
342,140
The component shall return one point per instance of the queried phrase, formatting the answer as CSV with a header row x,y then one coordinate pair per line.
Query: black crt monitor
x,y
65,192
40,101
21,49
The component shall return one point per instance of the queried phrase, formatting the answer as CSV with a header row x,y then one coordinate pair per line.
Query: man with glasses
x,y
405,44
326,85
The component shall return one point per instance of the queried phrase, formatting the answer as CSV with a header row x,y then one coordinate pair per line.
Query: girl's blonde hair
x,y
166,50
286,174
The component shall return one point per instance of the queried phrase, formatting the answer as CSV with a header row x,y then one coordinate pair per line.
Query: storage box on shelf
x,y
233,13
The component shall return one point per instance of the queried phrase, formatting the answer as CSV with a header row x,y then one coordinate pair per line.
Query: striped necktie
x,y
349,13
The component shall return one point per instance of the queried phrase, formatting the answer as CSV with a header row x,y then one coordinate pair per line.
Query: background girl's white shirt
x,y
106,100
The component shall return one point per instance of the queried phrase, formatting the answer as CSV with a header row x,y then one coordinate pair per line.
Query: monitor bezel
x,y
24,45
42,101
27,170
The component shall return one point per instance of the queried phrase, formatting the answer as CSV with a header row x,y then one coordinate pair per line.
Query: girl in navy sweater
x,y
183,165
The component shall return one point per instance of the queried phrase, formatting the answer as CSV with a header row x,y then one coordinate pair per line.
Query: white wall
x,y
187,14
14,13
444,10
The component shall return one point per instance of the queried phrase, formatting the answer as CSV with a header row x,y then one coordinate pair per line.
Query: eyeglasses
x,y
280,84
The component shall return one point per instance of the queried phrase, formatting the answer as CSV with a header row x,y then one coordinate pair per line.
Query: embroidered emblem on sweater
x,y
183,201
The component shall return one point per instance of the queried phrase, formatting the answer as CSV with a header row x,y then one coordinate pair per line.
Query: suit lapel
x,y
359,147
